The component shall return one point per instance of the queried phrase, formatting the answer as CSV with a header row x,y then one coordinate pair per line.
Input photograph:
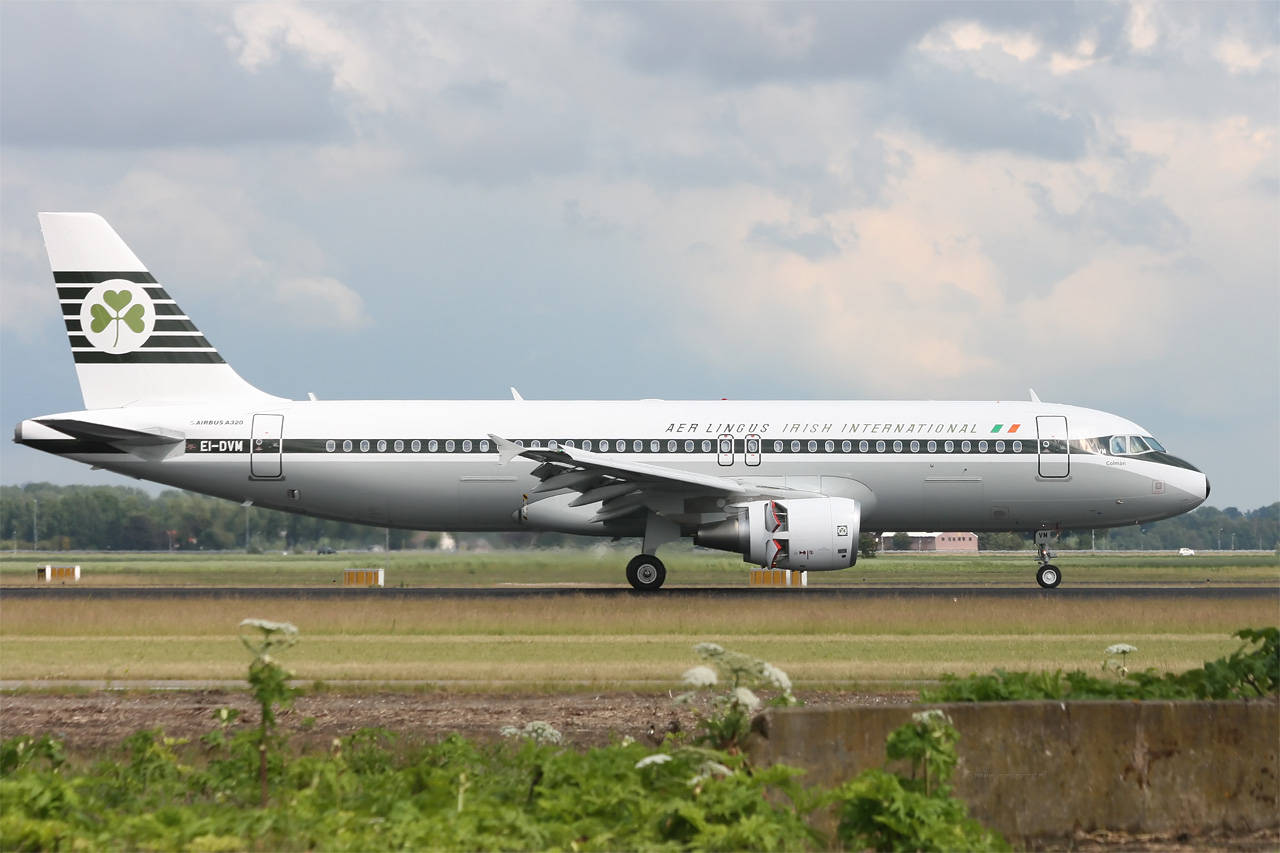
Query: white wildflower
x,y
707,770
776,677
700,676
1121,649
709,650
537,731
746,698
933,715
656,758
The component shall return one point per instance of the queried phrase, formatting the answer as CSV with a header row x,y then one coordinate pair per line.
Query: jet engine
x,y
807,534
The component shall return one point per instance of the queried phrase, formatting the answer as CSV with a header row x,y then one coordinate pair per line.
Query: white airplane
x,y
784,484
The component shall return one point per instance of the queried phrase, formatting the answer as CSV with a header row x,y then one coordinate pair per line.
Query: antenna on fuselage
x,y
1035,398
515,395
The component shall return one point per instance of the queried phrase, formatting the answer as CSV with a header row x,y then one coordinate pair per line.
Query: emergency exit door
x,y
1053,447
265,447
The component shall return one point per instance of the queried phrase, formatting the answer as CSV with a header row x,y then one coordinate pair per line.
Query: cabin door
x,y
1055,455
265,447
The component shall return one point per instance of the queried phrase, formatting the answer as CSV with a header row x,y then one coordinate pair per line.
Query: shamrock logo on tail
x,y
116,300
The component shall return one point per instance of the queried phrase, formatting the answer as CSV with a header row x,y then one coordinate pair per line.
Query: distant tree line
x,y
121,518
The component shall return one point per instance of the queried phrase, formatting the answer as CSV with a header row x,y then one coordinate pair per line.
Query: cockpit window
x,y
1132,445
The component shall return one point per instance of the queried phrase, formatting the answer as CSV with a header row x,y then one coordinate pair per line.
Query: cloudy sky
x,y
859,200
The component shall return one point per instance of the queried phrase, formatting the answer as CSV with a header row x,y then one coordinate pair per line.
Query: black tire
x,y
646,573
1048,577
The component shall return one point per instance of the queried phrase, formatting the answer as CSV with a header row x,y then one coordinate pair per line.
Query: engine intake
x,y
808,534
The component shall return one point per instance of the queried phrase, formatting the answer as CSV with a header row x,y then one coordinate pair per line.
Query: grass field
x,y
580,643
604,566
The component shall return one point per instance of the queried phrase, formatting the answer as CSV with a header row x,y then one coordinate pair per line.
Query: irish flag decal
x,y
1000,428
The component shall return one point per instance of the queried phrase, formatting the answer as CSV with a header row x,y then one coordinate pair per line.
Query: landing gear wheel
x,y
646,573
1048,576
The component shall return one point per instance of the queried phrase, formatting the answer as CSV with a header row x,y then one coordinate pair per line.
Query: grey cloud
x,y
972,113
1141,221
815,245
725,44
146,75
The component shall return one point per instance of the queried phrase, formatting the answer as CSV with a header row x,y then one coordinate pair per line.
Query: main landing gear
x,y
1048,575
646,572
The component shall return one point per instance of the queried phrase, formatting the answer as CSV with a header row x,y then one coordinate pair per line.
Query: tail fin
x,y
131,342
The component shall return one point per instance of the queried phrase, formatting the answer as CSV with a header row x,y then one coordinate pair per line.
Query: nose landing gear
x,y
1048,575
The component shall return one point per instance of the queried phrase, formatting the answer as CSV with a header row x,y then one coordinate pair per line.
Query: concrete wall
x,y
1047,769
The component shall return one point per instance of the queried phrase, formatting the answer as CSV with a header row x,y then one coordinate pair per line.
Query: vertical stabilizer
x,y
131,342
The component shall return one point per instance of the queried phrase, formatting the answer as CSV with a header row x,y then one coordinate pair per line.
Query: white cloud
x,y
262,30
1241,57
321,302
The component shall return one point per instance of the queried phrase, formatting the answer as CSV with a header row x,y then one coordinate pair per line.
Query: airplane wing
x,y
623,486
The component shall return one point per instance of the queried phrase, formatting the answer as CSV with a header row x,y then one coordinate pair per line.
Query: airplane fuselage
x,y
431,464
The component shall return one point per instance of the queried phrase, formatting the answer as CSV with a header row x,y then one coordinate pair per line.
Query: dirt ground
x,y
92,722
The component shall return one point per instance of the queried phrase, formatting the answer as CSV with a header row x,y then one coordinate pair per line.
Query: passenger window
x,y
655,446
982,447
466,446
933,447
364,445
795,447
346,446
777,447
879,447
829,446
586,444
813,446
999,447
484,445
897,447
706,445
330,446
433,445
449,445
846,446
949,446
863,446
620,445
688,445
604,445
726,445
519,442
382,445
399,446
965,447
753,446
1119,445
637,445
415,445
569,443
553,445
915,447
1017,447
671,446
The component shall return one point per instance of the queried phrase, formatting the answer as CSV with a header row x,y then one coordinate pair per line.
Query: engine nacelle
x,y
807,534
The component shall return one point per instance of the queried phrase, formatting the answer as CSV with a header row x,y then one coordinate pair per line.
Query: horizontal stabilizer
x,y
118,436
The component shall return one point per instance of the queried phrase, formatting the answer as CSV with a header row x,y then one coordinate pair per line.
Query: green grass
x,y
604,566
575,643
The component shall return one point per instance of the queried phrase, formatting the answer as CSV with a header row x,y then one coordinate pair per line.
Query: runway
x,y
1096,592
